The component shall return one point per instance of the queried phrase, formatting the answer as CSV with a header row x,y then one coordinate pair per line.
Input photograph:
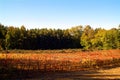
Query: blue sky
x,y
60,13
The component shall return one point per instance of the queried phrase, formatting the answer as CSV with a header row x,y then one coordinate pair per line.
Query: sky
x,y
61,14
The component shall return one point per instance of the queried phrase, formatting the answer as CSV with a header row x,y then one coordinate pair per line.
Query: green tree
x,y
111,39
76,33
12,38
97,41
87,36
2,36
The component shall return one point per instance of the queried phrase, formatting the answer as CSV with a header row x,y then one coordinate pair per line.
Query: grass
x,y
60,59
56,60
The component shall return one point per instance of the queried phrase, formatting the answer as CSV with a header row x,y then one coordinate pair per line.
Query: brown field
x,y
70,60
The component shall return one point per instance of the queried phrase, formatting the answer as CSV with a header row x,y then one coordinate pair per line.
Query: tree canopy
x,y
76,37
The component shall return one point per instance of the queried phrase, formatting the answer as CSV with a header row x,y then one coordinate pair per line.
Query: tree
x,y
19,38
87,36
97,41
111,39
76,33
2,36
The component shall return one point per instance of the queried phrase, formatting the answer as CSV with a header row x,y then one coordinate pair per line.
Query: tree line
x,y
76,37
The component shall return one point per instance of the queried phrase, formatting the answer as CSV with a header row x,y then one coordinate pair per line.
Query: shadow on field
x,y
9,73
15,74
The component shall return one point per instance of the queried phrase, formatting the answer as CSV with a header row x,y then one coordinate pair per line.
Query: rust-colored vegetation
x,y
61,60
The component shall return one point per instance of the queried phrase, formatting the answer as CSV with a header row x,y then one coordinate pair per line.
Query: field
x,y
71,60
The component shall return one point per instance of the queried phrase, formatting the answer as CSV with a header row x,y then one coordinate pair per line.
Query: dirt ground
x,y
104,74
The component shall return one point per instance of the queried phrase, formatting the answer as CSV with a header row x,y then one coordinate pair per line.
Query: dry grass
x,y
79,65
68,60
